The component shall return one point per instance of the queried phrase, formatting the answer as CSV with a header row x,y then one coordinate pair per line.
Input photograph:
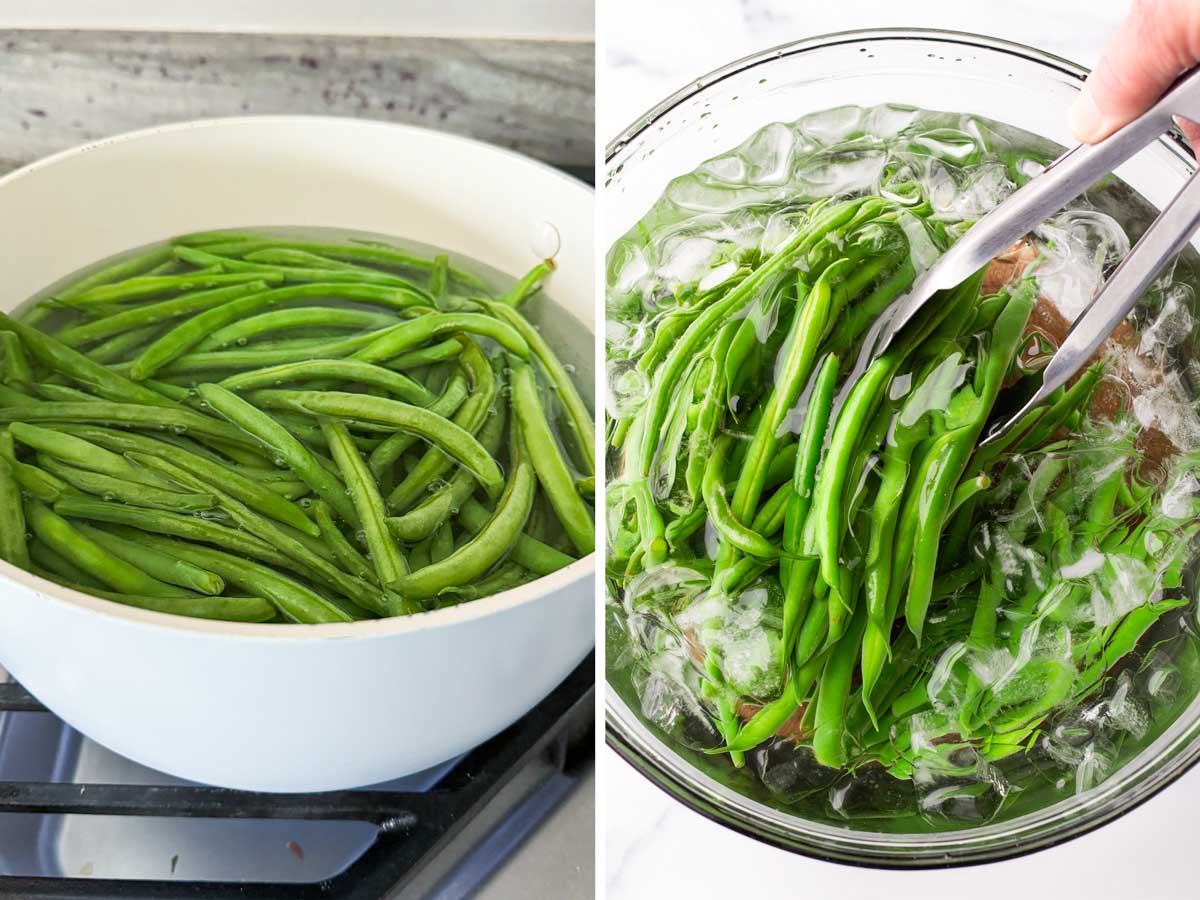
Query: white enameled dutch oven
x,y
290,707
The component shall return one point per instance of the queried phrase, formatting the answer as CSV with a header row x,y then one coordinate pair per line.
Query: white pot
x,y
290,707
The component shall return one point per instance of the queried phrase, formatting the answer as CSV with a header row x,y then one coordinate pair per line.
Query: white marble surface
x,y
558,19
655,847
650,49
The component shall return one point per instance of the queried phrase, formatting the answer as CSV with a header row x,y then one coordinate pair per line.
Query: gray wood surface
x,y
62,88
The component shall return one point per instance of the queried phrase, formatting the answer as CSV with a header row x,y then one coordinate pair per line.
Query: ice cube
x,y
790,771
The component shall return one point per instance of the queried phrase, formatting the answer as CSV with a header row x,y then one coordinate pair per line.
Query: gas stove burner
x,y
96,825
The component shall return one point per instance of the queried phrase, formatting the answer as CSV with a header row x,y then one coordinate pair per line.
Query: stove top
x,y
82,822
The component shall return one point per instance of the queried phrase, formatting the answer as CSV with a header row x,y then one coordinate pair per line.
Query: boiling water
x,y
746,201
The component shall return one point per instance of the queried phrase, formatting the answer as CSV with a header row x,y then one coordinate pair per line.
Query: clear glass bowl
x,y
939,70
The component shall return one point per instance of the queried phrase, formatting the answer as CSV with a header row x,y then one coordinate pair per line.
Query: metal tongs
x,y
1063,180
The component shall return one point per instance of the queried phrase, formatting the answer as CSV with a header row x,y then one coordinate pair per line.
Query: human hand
x,y
1158,41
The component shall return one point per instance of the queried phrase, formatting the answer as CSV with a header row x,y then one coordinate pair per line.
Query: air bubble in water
x,y
545,240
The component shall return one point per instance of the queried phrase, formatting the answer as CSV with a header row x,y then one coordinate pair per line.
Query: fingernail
x,y
1085,118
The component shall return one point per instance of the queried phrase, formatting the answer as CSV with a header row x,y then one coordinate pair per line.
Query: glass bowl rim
x,y
1069,818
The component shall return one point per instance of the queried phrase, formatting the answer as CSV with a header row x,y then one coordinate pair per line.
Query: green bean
x,y
439,352
416,332
162,566
529,284
385,554
552,472
294,454
446,405
968,489
45,563
719,513
470,417
344,552
127,267
830,487
508,576
17,371
96,378
184,337
67,541
154,313
138,288
797,359
421,521
302,259
196,460
110,488
308,556
85,455
271,353
223,609
336,370
119,347
62,392
866,310
951,453
451,439
293,600
828,736
35,481
291,273
812,436
373,252
799,576
491,542
304,317
885,513
130,415
579,420
441,543
190,527
13,545
1076,397
529,553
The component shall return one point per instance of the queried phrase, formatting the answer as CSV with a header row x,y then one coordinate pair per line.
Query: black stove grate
x,y
413,827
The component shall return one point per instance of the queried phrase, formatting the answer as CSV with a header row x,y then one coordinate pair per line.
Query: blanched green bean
x,y
66,540
335,370
85,455
154,285
160,565
552,471
294,454
154,313
133,493
419,331
190,527
385,554
451,439
579,419
96,378
13,546
195,459
304,317
490,544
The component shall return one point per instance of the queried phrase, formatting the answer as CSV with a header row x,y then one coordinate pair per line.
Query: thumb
x,y
1158,41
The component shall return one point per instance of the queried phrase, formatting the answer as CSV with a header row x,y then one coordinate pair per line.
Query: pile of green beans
x,y
256,428
773,461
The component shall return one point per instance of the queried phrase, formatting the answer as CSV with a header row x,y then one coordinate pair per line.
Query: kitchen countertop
x,y
656,847
62,88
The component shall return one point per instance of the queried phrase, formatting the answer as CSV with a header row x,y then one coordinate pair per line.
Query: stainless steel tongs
x,y
1063,180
